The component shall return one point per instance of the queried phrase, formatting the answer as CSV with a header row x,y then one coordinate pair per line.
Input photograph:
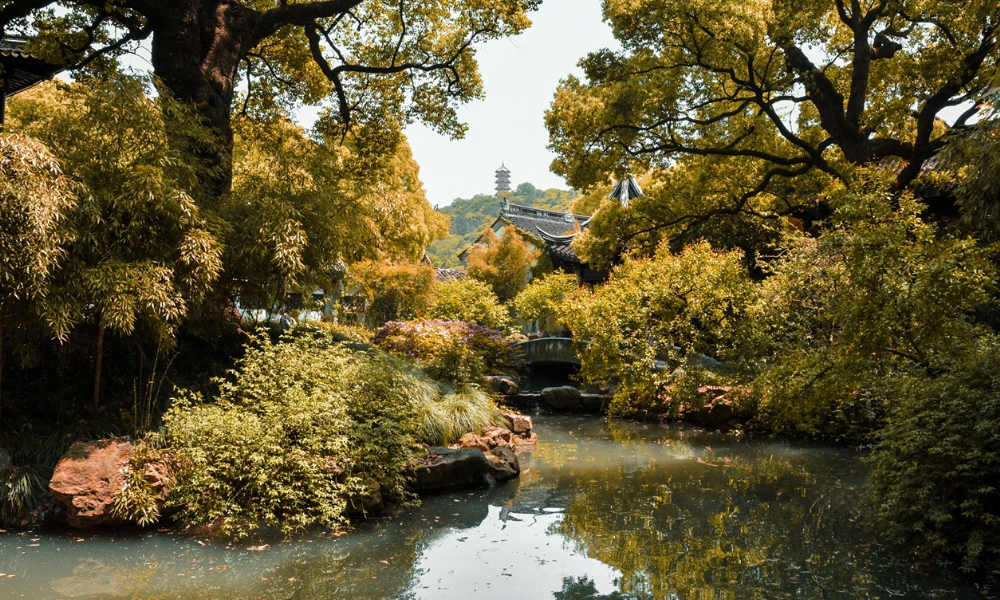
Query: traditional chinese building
x,y
547,230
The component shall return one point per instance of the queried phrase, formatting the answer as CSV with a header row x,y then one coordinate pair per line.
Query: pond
x,y
603,510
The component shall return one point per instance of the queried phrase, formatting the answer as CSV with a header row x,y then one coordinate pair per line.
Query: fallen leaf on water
x,y
259,548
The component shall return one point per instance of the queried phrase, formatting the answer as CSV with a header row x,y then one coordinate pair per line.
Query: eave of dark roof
x,y
21,70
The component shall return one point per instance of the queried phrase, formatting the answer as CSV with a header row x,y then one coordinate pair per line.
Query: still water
x,y
602,511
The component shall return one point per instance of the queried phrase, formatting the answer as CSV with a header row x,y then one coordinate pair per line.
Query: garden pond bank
x,y
601,510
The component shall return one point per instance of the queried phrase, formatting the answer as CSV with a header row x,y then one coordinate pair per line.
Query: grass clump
x,y
467,409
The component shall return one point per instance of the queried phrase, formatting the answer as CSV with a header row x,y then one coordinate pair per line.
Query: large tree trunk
x,y
196,50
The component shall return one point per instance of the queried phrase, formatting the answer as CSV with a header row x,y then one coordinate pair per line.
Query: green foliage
x,y
743,111
541,298
469,300
876,294
35,201
467,409
393,290
655,314
458,352
936,465
136,502
301,208
143,251
296,436
503,263
21,487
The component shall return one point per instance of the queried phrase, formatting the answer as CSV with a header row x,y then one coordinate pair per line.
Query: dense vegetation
x,y
816,228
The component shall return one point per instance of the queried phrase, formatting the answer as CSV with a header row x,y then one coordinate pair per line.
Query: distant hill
x,y
470,216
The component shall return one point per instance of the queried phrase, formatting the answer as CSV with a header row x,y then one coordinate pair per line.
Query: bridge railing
x,y
552,349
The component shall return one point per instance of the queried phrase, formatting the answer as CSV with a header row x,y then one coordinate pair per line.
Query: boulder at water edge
x,y
450,469
87,478
564,397
505,386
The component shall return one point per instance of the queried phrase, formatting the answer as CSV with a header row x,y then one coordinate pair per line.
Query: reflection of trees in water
x,y
728,526
583,588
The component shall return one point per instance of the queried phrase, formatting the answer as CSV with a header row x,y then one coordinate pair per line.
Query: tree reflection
x,y
583,588
689,521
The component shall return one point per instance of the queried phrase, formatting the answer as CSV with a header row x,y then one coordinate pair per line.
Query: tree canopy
x,y
772,96
367,62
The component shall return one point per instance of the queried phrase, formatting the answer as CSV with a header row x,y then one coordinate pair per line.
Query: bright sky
x,y
520,76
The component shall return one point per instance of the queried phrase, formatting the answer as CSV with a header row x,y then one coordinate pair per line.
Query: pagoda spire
x,y
503,180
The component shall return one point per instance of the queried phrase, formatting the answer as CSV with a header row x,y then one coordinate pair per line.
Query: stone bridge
x,y
551,350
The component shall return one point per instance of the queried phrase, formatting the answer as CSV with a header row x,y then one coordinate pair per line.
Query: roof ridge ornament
x,y
625,190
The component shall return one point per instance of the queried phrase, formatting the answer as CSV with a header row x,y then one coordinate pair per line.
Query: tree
x,y
142,253
769,94
372,62
471,301
503,263
301,209
541,298
34,201
394,291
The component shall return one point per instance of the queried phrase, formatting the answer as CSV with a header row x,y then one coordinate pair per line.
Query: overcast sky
x,y
520,76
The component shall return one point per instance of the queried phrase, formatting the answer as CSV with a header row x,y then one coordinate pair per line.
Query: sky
x,y
520,76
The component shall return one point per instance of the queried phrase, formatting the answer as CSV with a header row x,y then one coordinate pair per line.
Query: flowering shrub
x,y
452,351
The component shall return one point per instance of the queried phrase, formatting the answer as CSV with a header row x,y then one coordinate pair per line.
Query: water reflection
x,y
604,511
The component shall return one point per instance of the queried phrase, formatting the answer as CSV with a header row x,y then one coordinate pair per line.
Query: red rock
x,y
471,440
86,479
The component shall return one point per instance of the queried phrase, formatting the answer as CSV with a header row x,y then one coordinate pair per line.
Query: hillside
x,y
470,216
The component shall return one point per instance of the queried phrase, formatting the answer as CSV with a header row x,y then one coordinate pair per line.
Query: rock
x,y
520,424
450,469
502,385
497,436
5,462
368,502
594,403
471,440
562,398
503,463
525,444
87,478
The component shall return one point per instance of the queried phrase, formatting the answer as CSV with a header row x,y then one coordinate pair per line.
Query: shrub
x,y
469,300
541,298
300,429
452,351
936,466
656,314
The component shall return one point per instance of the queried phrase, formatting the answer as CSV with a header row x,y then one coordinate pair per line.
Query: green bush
x,y
301,429
471,301
936,466
454,351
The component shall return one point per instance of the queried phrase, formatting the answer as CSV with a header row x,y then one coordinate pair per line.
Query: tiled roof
x,y
22,70
450,274
539,222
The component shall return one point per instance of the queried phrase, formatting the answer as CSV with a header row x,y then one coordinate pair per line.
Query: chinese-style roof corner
x,y
20,69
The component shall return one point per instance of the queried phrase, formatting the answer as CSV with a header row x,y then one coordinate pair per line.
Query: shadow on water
x,y
603,511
